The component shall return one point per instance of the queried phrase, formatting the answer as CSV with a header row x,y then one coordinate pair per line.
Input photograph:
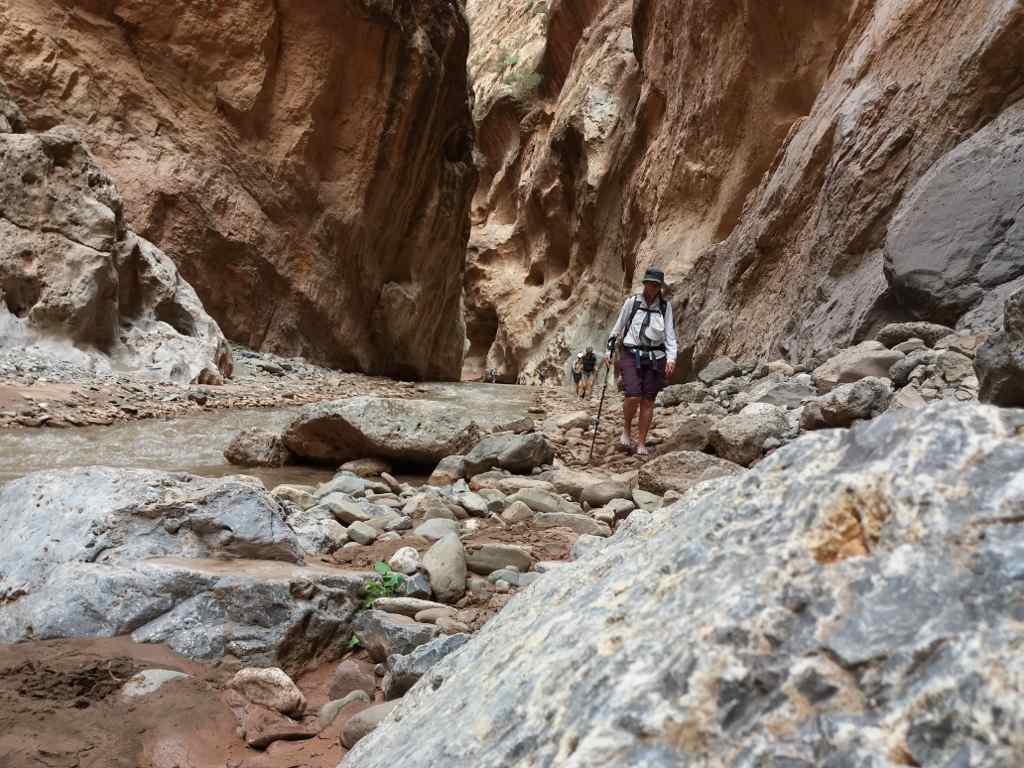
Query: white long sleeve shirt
x,y
631,336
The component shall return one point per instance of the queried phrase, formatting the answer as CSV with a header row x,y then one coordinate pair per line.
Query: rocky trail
x,y
259,508
345,592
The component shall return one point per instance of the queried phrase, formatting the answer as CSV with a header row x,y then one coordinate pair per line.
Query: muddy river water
x,y
196,443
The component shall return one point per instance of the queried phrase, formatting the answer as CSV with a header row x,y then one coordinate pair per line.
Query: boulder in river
x,y
856,595
256,447
206,566
419,432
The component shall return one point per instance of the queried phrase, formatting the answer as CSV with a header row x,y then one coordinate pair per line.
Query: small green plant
x,y
386,586
524,83
508,61
354,642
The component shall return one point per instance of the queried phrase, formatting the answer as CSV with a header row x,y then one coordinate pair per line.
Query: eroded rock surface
x,y
78,284
307,165
853,596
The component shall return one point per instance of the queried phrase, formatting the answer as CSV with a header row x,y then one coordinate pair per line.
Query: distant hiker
x,y
540,375
577,372
588,370
647,337
492,376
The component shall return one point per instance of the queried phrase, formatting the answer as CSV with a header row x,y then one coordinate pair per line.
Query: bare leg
x,y
646,417
629,413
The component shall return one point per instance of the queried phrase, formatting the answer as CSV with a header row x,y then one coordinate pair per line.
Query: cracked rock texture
x,y
805,171
306,165
854,600
206,566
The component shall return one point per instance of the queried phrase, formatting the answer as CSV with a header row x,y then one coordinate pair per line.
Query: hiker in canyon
x,y
584,372
645,337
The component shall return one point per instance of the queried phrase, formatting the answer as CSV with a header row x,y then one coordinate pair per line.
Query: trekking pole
x,y
600,407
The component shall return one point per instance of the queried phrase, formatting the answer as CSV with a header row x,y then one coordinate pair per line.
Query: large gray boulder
x,y
718,369
869,358
403,431
898,333
206,566
859,589
71,269
958,235
509,451
256,447
1000,361
864,399
681,470
742,437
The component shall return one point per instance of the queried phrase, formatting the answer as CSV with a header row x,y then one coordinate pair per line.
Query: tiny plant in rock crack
x,y
386,586
354,642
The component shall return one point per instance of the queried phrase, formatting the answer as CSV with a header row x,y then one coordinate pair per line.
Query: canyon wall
x,y
308,166
803,171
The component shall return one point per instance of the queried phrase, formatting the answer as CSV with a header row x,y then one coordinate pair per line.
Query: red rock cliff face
x,y
795,166
306,164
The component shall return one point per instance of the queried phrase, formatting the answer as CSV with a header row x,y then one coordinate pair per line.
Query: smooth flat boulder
x,y
206,566
845,550
405,431
869,358
571,481
718,369
599,494
540,500
787,393
682,470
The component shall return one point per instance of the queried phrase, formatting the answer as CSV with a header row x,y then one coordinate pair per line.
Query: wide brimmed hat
x,y
654,276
